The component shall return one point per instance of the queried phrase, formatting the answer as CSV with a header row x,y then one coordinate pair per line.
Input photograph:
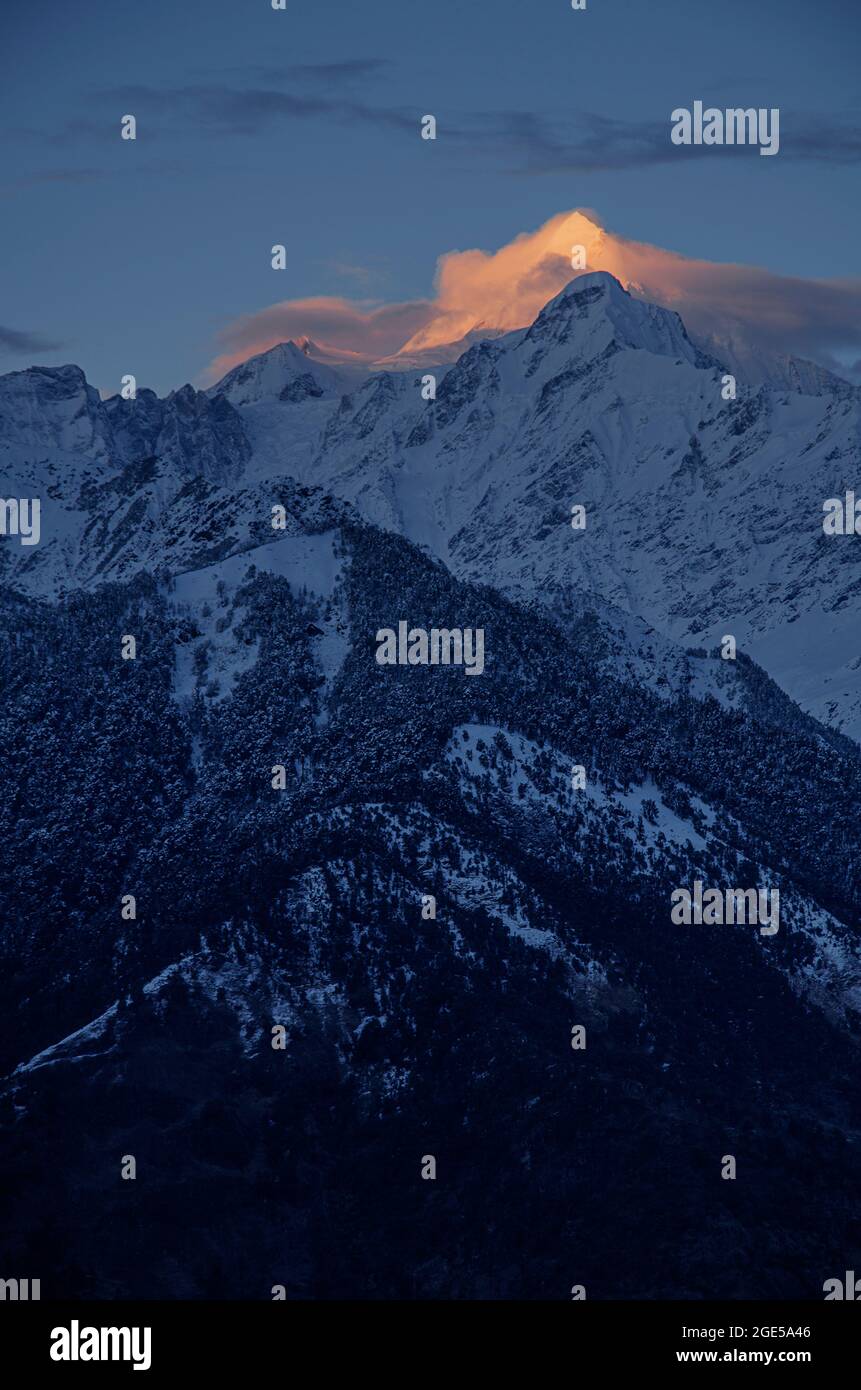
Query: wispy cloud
x,y
516,141
20,340
525,143
346,70
246,102
505,289
352,326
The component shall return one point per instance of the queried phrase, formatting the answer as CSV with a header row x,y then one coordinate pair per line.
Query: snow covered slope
x,y
703,515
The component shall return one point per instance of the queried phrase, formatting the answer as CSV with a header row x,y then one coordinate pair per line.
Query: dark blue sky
x,y
301,127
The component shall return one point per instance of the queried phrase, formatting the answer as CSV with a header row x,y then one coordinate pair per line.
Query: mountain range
x,y
399,868
694,503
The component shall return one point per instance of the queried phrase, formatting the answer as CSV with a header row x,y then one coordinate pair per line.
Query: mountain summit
x,y
594,313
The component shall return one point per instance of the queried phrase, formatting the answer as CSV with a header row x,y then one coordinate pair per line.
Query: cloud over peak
x,y
506,289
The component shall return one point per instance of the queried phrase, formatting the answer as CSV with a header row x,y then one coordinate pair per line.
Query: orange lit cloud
x,y
505,289
351,327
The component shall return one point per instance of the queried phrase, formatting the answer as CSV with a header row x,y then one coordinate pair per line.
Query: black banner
x,y
169,1339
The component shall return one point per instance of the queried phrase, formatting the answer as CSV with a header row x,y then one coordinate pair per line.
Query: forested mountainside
x,y
408,1035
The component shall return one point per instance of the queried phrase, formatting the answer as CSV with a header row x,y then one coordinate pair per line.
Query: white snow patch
x,y
306,561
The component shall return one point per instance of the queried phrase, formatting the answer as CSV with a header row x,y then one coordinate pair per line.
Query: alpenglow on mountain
x,y
372,904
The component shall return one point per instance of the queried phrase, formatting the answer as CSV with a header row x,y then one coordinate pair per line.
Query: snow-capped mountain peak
x,y
53,433
594,314
288,373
